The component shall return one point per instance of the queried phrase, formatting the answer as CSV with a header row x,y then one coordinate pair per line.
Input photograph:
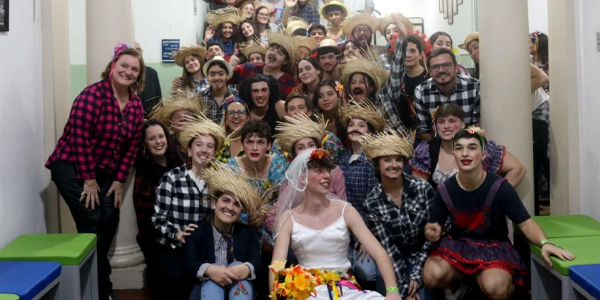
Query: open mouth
x,y
324,184
272,58
466,162
228,213
158,148
358,92
393,170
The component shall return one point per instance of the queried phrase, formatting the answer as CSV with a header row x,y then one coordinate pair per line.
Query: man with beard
x,y
360,28
446,85
328,55
304,9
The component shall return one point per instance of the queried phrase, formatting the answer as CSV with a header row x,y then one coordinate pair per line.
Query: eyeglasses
x,y
361,30
232,113
264,15
446,66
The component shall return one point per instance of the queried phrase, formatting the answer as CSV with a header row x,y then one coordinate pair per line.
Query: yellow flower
x,y
277,266
331,276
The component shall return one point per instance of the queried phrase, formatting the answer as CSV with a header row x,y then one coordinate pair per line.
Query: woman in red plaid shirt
x,y
96,151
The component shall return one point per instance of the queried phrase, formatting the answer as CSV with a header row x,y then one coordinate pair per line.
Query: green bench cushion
x,y
9,297
568,226
585,250
66,249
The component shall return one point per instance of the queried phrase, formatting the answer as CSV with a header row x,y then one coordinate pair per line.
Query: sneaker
x,y
457,294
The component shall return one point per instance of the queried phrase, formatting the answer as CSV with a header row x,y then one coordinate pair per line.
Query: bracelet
x,y
392,289
288,8
546,242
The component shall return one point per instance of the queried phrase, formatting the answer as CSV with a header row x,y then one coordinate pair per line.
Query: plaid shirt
x,y
401,229
360,179
389,95
99,135
286,81
428,98
309,13
179,202
209,104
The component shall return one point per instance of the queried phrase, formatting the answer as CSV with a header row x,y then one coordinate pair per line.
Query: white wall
x,y
21,116
589,106
538,15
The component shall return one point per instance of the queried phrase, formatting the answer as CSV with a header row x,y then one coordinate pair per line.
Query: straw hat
x,y
473,36
223,178
334,3
327,44
254,47
200,125
228,14
306,42
367,67
183,52
365,110
358,19
294,24
215,59
297,128
387,20
386,143
171,104
289,44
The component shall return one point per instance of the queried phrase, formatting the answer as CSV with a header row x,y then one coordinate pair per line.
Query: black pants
x,y
541,161
102,221
171,282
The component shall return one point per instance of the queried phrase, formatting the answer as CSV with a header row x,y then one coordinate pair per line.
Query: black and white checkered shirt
x,y
400,230
389,95
465,94
180,201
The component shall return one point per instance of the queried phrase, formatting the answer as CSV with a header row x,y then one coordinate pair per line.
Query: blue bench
x,y
30,280
585,281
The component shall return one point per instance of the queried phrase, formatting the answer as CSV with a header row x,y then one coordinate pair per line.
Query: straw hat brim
x,y
367,67
254,48
334,3
297,128
387,20
365,110
473,36
215,59
184,52
358,19
228,14
201,125
171,104
386,143
285,41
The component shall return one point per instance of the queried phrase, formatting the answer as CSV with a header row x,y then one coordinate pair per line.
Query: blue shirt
x,y
360,179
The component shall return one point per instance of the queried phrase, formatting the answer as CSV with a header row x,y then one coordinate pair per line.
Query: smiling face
x,y
328,99
179,118
318,181
442,69
217,76
227,209
247,30
202,150
275,57
263,16
307,72
259,92
126,71
256,148
448,126
317,34
155,141
248,10
296,106
356,129
328,61
468,154
192,64
473,49
227,30
390,166
237,116
213,51
442,42
360,87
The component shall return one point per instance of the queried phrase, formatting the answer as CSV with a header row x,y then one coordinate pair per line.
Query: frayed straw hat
x,y
183,52
294,24
365,110
297,128
223,178
227,14
387,20
282,39
254,47
367,67
387,143
339,4
171,104
358,19
198,125
306,42
473,36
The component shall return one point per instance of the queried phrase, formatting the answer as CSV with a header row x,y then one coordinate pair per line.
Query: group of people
x,y
302,144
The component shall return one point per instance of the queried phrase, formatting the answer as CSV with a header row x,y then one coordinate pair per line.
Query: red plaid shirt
x,y
286,81
98,134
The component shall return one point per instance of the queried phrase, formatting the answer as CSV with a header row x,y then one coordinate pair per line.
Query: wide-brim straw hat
x,y
185,51
387,20
339,4
199,125
306,42
215,59
358,19
299,127
294,24
366,111
254,47
287,42
387,143
227,14
173,103
327,44
228,179
367,67
473,36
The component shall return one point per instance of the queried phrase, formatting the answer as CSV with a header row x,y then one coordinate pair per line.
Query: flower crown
x,y
118,48
476,130
339,87
318,154
533,36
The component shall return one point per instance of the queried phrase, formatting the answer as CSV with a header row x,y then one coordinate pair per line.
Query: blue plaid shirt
x,y
309,13
360,179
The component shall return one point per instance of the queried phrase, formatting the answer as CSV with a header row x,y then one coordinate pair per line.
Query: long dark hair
x,y
187,77
245,89
541,41
241,37
341,131
315,65
143,161
436,35
218,37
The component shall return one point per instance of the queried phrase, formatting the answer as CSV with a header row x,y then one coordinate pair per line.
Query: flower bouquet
x,y
294,282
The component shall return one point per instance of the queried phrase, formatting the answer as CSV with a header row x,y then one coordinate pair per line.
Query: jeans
x,y
237,290
102,221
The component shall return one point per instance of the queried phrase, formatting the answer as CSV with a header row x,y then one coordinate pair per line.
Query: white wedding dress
x,y
326,249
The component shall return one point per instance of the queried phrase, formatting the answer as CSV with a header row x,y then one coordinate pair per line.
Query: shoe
x,y
457,294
